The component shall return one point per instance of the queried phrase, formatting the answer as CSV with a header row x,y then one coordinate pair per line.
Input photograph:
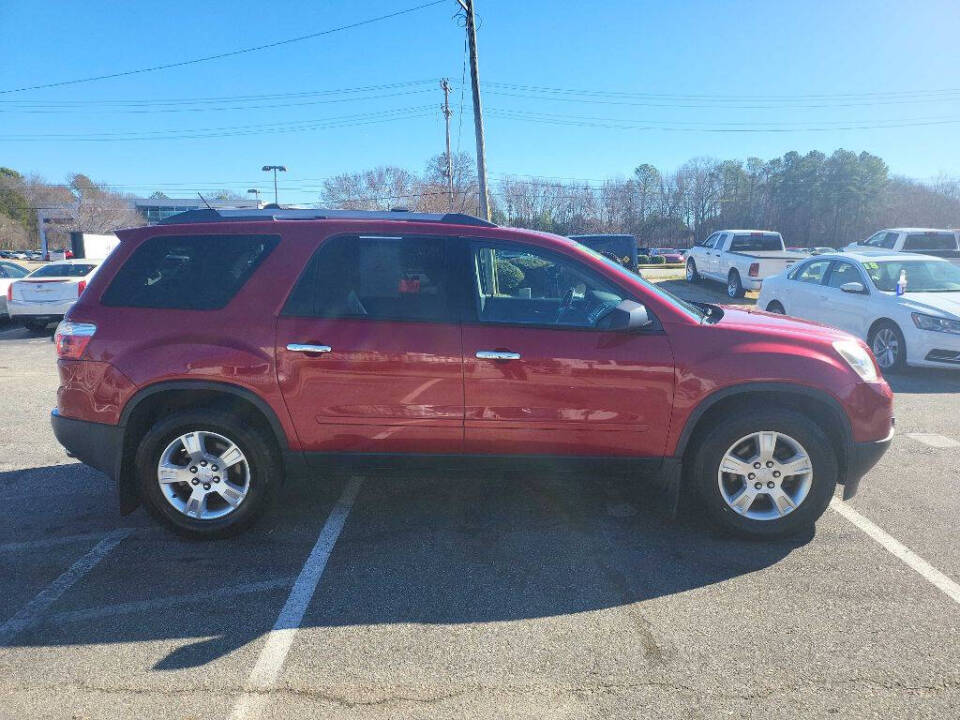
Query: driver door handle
x,y
497,355
297,347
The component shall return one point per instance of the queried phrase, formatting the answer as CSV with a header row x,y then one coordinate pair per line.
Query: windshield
x,y
922,275
689,308
756,242
69,270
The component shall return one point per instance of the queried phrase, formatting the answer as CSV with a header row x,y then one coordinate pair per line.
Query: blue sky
x,y
663,77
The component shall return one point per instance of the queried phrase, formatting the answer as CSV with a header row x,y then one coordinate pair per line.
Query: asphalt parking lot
x,y
520,596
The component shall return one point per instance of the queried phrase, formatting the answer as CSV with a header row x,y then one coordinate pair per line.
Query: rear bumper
x,y
863,456
98,445
30,310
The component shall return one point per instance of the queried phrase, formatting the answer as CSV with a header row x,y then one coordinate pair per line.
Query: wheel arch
x,y
820,406
149,403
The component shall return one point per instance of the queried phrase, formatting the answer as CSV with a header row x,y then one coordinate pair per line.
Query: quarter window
x,y
383,278
195,272
930,241
528,286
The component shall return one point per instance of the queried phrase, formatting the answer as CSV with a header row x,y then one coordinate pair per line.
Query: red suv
x,y
220,352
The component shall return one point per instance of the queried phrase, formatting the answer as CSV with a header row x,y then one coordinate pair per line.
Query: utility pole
x,y
268,168
467,6
445,86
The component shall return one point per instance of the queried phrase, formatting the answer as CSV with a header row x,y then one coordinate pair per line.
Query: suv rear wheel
x,y
767,474
205,473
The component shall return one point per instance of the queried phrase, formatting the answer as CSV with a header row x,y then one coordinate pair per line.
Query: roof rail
x,y
205,215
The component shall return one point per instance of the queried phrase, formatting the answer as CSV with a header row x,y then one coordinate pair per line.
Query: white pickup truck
x,y
740,258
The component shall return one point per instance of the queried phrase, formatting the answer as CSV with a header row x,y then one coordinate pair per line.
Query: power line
x,y
232,53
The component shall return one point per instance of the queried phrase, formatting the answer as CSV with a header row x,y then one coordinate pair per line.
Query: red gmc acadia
x,y
220,352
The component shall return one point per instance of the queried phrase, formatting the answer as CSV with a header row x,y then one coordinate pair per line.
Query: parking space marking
x,y
46,542
254,697
130,608
933,440
927,571
32,612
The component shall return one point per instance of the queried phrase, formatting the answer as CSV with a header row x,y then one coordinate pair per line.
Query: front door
x,y
541,376
368,348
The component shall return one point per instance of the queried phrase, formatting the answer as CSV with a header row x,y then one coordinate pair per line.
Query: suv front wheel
x,y
206,473
767,474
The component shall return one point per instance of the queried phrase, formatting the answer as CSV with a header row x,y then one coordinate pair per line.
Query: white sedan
x,y
45,295
9,271
857,292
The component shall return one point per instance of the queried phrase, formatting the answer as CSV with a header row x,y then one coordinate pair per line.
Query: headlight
x,y
858,358
937,324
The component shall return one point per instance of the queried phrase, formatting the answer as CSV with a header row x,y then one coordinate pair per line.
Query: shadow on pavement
x,y
413,551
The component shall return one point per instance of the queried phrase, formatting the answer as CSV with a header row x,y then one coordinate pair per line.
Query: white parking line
x,y
254,697
46,542
141,606
934,440
31,613
927,571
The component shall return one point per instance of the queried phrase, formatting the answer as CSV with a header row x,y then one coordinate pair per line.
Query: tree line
x,y
813,199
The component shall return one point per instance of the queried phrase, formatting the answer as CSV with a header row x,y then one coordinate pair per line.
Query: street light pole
x,y
275,168
256,193
467,6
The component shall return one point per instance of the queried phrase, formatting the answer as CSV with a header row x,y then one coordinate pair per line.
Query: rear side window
x,y
755,242
196,272
930,241
77,270
379,278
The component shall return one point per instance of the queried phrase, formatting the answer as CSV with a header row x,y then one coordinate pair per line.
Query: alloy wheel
x,y
203,475
765,475
886,348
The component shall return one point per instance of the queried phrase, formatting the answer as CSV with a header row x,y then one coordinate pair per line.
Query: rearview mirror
x,y
628,315
856,288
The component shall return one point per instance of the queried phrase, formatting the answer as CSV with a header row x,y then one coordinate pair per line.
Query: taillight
x,y
72,338
754,269
81,286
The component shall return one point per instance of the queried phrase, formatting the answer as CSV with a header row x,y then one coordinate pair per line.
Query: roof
x,y
916,229
240,215
877,256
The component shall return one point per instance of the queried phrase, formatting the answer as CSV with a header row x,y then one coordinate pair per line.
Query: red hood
x,y
753,320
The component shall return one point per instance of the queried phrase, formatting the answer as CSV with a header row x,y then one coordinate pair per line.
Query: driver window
x,y
528,286
711,241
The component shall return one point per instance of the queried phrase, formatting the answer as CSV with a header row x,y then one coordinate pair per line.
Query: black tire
x,y
705,467
884,327
35,326
774,306
734,285
261,456
691,274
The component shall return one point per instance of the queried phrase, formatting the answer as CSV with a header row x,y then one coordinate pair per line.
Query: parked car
x,y
926,241
216,353
739,258
9,271
45,295
620,248
671,255
857,292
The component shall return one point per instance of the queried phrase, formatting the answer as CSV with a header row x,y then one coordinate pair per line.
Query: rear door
x,y
368,348
541,376
804,290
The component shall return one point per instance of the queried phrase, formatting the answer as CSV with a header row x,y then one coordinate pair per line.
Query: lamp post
x,y
256,193
275,168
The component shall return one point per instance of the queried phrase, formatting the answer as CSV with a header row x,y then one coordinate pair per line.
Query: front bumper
x,y
862,457
932,349
98,445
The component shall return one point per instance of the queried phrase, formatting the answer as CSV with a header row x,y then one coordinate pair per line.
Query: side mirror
x,y
856,288
628,315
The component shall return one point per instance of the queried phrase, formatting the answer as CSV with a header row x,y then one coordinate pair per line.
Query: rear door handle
x,y
497,355
297,347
